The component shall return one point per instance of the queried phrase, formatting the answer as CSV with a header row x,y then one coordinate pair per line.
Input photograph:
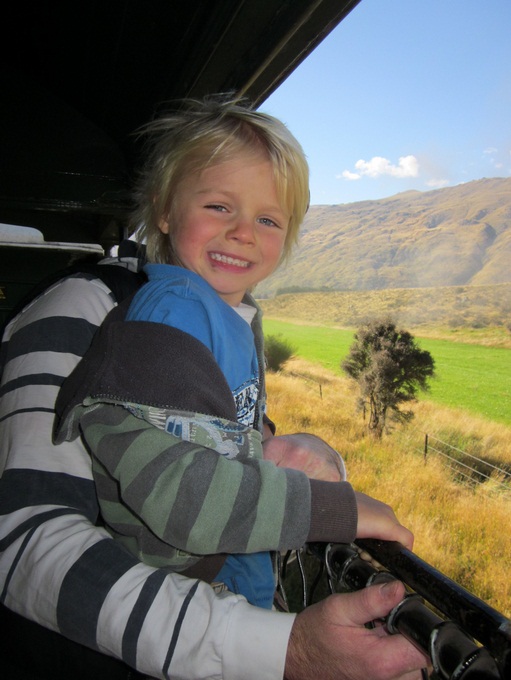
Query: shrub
x,y
389,368
277,351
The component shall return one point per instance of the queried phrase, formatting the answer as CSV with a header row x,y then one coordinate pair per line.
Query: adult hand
x,y
329,641
377,520
305,452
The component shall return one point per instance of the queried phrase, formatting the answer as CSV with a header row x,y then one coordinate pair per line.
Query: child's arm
x,y
199,501
196,500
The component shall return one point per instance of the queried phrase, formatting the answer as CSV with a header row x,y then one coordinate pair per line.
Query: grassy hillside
x,y
479,314
454,236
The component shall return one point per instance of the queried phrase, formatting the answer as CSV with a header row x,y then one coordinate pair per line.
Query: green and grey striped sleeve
x,y
189,496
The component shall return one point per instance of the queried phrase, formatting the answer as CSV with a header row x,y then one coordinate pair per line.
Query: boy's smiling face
x,y
230,227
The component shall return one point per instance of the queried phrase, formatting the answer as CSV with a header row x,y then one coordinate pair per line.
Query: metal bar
x,y
485,624
449,641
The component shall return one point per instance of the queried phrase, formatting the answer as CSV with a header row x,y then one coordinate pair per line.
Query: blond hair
x,y
203,133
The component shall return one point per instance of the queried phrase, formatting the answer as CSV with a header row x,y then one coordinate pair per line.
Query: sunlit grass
x,y
314,343
474,377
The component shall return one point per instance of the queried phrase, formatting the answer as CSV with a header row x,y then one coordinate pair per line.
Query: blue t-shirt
x,y
182,299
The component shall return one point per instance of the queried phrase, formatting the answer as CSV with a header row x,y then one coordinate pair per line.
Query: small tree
x,y
277,351
390,368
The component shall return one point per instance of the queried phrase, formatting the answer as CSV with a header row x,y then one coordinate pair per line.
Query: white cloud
x,y
490,150
407,166
349,175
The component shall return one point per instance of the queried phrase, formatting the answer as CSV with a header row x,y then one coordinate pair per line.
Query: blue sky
x,y
404,94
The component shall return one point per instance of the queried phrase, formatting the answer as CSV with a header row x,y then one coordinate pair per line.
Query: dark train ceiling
x,y
79,77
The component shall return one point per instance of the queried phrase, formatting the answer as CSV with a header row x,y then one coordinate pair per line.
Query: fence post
x,y
425,448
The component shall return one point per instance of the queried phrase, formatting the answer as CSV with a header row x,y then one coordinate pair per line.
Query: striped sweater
x,y
62,570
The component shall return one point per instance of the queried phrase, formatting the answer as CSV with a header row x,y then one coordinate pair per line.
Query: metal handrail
x,y
465,638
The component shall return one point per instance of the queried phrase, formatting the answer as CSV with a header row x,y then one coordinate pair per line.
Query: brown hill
x,y
447,237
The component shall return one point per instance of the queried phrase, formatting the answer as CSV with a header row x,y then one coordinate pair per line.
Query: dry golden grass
x,y
461,531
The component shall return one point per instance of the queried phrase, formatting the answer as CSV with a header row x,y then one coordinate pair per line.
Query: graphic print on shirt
x,y
228,438
245,398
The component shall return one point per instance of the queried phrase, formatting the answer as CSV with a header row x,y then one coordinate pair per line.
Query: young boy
x,y
221,199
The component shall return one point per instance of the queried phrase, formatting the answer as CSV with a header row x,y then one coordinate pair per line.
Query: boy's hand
x,y
305,452
377,520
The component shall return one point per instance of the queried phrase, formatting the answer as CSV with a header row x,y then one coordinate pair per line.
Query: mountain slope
x,y
447,237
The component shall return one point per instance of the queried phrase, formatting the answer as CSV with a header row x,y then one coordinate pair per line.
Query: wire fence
x,y
467,468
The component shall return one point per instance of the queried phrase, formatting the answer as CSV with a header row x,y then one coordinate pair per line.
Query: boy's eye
x,y
216,206
269,222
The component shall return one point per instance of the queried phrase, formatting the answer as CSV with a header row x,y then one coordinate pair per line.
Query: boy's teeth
x,y
229,260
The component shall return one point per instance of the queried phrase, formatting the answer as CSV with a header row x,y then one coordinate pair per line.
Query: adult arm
x,y
58,569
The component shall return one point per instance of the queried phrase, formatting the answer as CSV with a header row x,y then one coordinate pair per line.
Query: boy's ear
x,y
163,225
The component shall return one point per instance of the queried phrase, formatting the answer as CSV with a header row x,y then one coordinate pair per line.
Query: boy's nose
x,y
242,230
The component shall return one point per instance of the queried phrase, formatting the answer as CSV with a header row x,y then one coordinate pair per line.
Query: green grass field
x,y
470,377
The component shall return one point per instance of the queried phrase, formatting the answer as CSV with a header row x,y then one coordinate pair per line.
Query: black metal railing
x,y
464,637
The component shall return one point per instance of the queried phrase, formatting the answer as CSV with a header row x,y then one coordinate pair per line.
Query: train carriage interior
x,y
79,78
